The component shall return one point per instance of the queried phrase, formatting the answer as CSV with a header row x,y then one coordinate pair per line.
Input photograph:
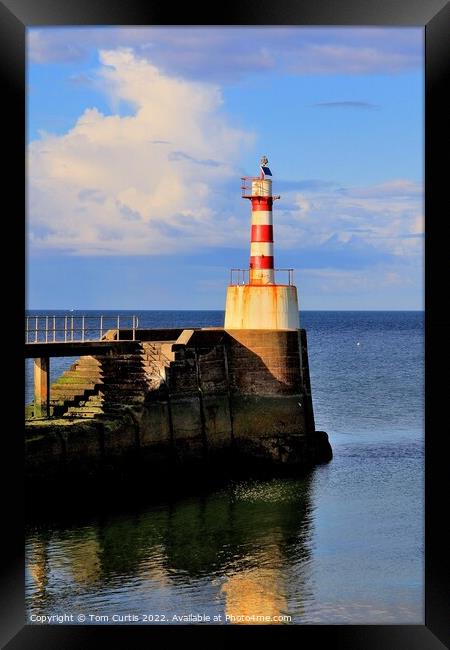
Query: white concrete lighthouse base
x,y
266,307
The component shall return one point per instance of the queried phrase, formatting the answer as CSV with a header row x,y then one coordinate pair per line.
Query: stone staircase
x,y
104,385
76,385
156,363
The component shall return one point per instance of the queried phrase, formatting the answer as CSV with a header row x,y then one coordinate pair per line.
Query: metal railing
x,y
242,276
246,185
253,186
68,329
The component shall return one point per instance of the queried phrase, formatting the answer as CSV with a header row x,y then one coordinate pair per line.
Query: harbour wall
x,y
185,399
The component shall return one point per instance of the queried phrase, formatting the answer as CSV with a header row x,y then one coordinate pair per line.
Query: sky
x,y
137,139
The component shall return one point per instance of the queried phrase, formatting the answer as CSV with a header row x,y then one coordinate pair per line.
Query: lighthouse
x,y
261,297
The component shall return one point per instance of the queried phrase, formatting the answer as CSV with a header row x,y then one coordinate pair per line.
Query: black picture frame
x,y
434,16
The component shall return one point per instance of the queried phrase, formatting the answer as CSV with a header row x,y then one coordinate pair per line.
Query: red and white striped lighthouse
x,y
261,269
261,303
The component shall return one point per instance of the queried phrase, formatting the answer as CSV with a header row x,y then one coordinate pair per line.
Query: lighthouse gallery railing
x,y
241,276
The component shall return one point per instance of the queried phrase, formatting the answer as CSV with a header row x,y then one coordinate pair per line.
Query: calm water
x,y
341,545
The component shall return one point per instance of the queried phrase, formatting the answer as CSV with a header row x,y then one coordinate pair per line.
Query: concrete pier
x,y
182,398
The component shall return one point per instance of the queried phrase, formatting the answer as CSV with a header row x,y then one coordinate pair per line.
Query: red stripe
x,y
262,233
261,262
262,203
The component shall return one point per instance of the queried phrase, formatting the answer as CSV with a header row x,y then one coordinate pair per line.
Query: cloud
x,y
47,46
338,252
348,104
227,54
355,226
91,195
164,180
312,184
353,59
181,155
361,287
107,186
399,187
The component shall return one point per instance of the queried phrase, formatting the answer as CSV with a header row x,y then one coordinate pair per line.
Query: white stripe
x,y
261,218
261,248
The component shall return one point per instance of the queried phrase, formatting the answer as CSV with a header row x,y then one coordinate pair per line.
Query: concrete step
x,y
157,361
86,365
150,376
91,402
119,389
67,400
82,409
122,358
68,397
71,389
154,367
63,402
123,399
83,372
119,368
75,381
119,383
114,409
124,372
83,414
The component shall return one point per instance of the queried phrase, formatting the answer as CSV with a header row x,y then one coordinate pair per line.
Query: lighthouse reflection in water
x,y
343,544
230,554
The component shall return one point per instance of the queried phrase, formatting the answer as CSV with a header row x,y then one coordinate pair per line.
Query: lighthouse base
x,y
266,307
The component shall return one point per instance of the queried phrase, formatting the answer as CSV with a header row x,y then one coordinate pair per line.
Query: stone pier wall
x,y
223,396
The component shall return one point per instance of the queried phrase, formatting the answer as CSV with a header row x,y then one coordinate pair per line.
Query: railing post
x,y
118,326
46,329
101,327
36,330
71,328
65,329
134,328
82,328
27,329
54,329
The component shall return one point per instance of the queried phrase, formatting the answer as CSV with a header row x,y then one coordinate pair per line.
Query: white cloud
x,y
160,181
365,282
352,59
230,53
112,184
388,217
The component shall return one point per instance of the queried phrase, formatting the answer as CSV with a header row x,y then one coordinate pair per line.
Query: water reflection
x,y
233,552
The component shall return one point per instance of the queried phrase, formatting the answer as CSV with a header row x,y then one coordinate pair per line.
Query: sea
x,y
343,544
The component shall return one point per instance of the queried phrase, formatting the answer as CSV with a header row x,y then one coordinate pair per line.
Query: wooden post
x,y
42,387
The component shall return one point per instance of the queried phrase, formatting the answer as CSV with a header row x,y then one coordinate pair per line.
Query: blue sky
x,y
137,138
